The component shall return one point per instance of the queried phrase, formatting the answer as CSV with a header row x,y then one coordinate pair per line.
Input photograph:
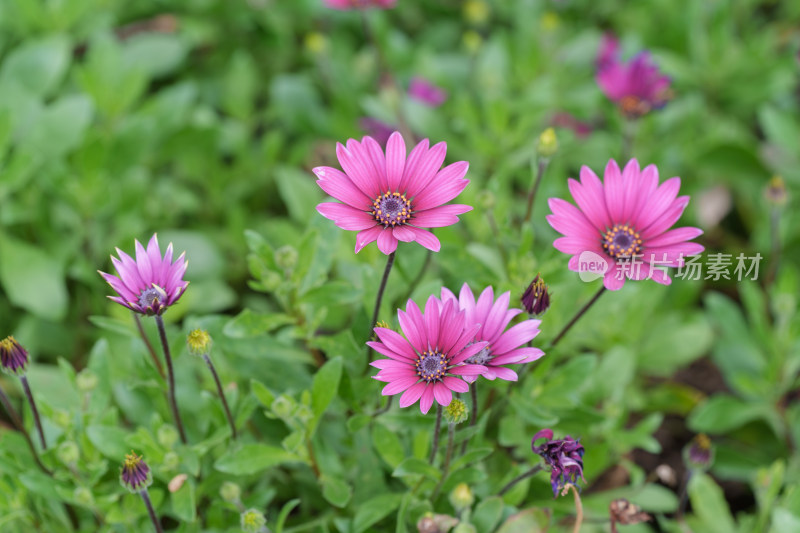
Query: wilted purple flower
x,y
380,131
150,284
564,456
536,298
637,86
135,474
426,92
14,358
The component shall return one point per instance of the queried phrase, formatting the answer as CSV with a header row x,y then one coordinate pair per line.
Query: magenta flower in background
x,y
637,86
359,4
429,362
565,458
504,347
391,197
621,228
380,131
426,92
562,119
149,284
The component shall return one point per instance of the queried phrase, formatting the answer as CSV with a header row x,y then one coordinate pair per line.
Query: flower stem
x,y
578,506
473,416
221,393
540,168
577,316
28,394
451,434
148,345
387,270
15,419
151,511
420,274
519,478
170,378
436,429
774,228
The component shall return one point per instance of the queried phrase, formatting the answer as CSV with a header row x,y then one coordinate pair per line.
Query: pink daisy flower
x,y
428,363
426,92
623,225
390,198
504,347
359,4
637,86
149,284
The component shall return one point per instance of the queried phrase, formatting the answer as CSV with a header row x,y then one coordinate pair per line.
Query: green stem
x,y
519,478
173,404
386,271
17,421
148,345
28,394
436,429
221,394
579,314
540,168
151,511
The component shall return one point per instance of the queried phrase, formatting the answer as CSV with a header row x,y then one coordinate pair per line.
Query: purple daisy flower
x,y
503,347
14,358
426,92
149,284
430,362
564,456
135,474
392,197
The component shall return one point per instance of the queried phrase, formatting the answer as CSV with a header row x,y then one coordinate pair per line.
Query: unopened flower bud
x,y
253,520
167,435
62,418
547,144
86,380
171,461
135,474
699,454
476,11
776,191
283,406
14,359
83,496
315,43
68,452
472,41
286,257
536,298
456,412
199,342
230,492
461,497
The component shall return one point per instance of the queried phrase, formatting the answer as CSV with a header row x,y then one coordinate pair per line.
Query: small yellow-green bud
x,y
62,418
456,412
316,43
253,520
547,144
230,492
461,497
283,406
86,380
476,11
171,461
286,257
550,21
167,435
776,191
472,41
83,496
68,452
199,342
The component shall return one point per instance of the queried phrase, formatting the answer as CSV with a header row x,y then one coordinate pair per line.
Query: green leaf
x,y
183,502
299,192
488,513
262,393
331,294
709,505
251,324
722,413
111,441
61,127
372,511
32,279
284,514
252,459
38,66
527,521
336,491
388,445
156,54
470,457
326,383
417,466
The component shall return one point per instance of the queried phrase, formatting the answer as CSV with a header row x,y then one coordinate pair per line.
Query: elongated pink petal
x,y
388,352
437,194
667,219
390,363
412,165
395,160
614,279
630,179
467,370
517,336
659,202
337,184
645,188
495,317
467,336
404,233
614,191
354,170
455,384
432,321
505,373
426,239
372,150
387,243
411,332
413,394
442,394
367,236
346,217
417,178
399,385
568,219
395,342
674,236
468,352
426,401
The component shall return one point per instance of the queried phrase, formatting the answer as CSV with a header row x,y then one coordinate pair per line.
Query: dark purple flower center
x,y
153,298
480,358
432,365
135,473
621,242
391,209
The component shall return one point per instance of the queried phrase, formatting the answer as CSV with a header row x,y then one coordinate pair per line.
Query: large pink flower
x,y
504,347
359,4
391,198
425,365
623,225
149,284
637,86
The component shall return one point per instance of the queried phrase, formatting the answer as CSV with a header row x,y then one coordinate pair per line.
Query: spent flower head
x,y
430,361
456,412
564,456
501,346
150,284
621,227
199,342
14,359
135,474
392,197
536,298
699,453
252,520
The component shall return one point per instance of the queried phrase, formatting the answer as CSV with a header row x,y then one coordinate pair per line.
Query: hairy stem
x,y
17,421
436,429
29,395
577,316
519,478
540,168
173,404
151,511
386,271
221,393
148,345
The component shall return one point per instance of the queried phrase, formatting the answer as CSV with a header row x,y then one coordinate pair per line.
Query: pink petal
x,y
387,243
390,363
346,217
495,317
442,394
667,219
426,239
355,170
630,184
396,342
367,236
445,185
388,352
395,160
413,335
516,336
674,236
438,217
398,386
432,321
568,219
426,401
575,245
467,370
592,206
594,194
338,184
505,373
373,151
659,202
404,233
467,336
412,164
614,191
645,188
468,352
613,279
417,178
413,393
455,384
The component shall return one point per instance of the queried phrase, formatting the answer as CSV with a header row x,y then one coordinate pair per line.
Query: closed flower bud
x,y
86,380
83,496
699,454
286,257
776,191
68,452
171,461
167,435
230,492
62,418
536,298
461,497
199,342
135,474
316,43
476,11
456,412
283,406
14,358
547,144
253,520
